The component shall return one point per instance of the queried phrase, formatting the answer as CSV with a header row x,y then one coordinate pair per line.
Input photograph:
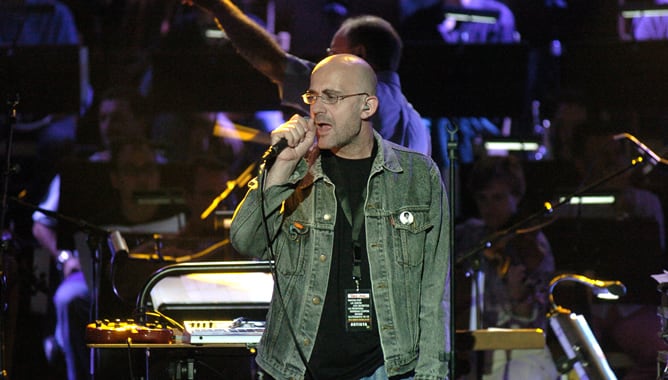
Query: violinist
x,y
516,269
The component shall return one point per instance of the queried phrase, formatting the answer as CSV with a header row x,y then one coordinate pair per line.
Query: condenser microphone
x,y
274,150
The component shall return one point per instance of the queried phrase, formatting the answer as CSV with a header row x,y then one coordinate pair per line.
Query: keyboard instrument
x,y
238,330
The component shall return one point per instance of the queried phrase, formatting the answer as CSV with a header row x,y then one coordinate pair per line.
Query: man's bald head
x,y
349,68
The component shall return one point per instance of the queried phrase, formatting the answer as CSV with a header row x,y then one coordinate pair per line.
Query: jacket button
x,y
307,341
316,300
323,258
327,217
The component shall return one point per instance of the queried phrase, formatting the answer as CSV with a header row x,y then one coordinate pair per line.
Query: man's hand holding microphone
x,y
290,142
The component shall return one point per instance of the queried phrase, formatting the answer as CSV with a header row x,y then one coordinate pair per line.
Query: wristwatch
x,y
63,256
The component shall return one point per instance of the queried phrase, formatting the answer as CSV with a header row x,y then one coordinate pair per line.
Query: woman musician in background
x,y
516,269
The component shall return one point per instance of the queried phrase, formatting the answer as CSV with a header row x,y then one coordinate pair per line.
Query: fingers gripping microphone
x,y
273,151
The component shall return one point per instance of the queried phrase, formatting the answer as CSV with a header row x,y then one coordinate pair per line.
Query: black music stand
x,y
627,250
209,79
619,75
48,79
465,79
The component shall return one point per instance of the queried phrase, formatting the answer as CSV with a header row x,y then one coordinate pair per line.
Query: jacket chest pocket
x,y
293,247
409,232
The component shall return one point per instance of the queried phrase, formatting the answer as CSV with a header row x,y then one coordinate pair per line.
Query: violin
x,y
520,248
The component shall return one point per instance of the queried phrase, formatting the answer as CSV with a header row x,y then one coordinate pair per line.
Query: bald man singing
x,y
357,228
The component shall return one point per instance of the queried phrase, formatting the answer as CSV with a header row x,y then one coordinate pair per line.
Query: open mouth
x,y
323,127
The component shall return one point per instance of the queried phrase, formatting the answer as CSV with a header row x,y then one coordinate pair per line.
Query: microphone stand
x,y
240,181
653,157
548,208
95,236
9,169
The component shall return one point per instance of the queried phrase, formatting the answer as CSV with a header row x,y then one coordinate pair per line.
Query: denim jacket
x,y
406,224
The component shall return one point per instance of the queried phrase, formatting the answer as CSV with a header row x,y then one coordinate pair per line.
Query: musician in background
x,y
134,167
516,270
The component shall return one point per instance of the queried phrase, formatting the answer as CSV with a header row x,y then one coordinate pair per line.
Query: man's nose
x,y
318,106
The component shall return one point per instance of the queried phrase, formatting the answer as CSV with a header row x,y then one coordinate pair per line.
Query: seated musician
x,y
134,167
516,270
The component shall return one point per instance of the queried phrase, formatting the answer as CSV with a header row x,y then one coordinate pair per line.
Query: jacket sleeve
x,y
434,343
247,231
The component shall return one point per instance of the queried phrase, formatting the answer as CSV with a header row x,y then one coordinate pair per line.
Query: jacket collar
x,y
309,169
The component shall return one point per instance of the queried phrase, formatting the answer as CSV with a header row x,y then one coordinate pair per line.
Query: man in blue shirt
x,y
369,37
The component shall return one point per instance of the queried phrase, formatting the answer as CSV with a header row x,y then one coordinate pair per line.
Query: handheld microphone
x,y
274,150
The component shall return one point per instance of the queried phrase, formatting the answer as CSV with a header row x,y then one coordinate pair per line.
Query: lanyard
x,y
354,217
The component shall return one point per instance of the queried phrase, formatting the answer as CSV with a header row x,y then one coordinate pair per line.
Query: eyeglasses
x,y
310,98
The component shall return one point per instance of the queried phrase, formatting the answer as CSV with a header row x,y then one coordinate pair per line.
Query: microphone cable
x,y
279,294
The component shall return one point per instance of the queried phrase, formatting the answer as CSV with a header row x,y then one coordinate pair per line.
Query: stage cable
x,y
269,244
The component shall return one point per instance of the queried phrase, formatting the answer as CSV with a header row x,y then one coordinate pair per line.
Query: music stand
x,y
465,79
619,75
209,80
627,250
48,79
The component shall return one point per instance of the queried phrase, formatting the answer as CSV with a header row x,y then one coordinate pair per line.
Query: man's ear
x,y
369,107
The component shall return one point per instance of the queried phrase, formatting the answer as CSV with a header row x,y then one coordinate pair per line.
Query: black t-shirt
x,y
339,354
